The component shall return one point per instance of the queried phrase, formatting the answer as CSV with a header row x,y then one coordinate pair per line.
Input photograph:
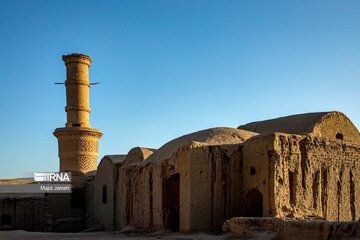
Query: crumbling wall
x,y
206,194
268,175
140,199
134,202
157,195
214,185
141,192
316,177
186,185
25,213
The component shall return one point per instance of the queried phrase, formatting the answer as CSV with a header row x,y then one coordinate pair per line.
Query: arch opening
x,y
254,203
171,202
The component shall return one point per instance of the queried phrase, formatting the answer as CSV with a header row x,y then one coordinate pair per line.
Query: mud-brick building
x,y
106,184
313,173
301,166
174,186
301,177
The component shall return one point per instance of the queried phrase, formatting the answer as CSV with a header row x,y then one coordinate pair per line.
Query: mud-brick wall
x,y
257,170
123,199
157,195
141,195
315,177
141,198
23,213
209,189
106,177
213,186
199,187
134,200
225,179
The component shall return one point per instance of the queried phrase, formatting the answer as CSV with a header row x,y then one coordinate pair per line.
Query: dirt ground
x,y
23,235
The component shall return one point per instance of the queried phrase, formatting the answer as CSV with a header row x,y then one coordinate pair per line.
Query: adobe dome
x,y
333,125
212,136
138,154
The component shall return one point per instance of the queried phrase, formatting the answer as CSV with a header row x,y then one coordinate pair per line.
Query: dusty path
x,y
23,235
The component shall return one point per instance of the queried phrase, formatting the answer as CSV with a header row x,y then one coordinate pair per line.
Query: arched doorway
x,y
254,203
6,220
171,202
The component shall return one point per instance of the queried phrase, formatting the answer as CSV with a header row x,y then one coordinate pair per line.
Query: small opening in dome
x,y
339,136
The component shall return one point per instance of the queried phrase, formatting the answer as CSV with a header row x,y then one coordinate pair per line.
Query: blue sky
x,y
171,67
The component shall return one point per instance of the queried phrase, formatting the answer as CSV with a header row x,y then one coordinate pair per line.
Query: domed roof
x,y
212,136
113,159
322,124
138,154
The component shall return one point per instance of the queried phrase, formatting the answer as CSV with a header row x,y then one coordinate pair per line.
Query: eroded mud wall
x,y
198,188
257,177
316,177
134,200
23,213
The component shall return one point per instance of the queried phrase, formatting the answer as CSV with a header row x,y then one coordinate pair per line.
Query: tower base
x,y
78,148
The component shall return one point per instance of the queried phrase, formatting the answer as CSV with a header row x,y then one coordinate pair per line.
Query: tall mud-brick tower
x,y
78,142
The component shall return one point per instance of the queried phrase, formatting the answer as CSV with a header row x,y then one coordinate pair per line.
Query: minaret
x,y
78,142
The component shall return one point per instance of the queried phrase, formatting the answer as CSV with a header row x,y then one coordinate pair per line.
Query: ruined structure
x,y
300,167
78,142
181,185
106,186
